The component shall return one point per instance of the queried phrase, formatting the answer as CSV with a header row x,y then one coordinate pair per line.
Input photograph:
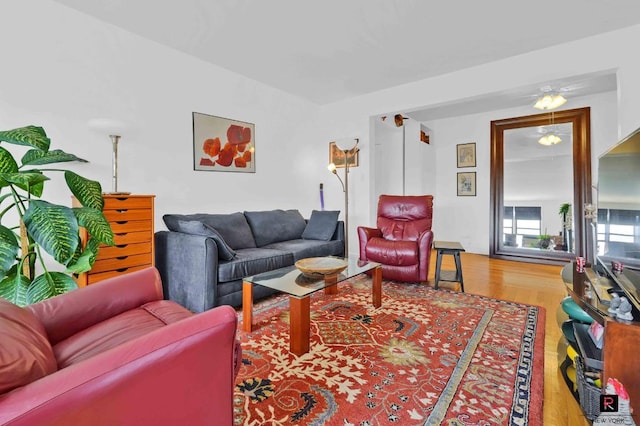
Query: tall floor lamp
x,y
348,154
113,128
399,120
114,162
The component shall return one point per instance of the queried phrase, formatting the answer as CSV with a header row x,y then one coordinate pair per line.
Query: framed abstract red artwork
x,y
223,145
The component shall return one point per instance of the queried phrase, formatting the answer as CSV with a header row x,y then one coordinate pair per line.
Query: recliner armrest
x,y
69,313
425,240
183,373
364,235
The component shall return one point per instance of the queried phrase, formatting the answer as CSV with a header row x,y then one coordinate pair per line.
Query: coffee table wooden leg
x,y
331,284
299,324
376,288
247,306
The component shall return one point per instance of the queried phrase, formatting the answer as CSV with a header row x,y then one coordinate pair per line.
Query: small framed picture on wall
x,y
466,184
466,154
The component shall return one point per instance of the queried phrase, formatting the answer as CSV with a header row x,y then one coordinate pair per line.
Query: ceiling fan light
x,y
558,100
550,139
550,101
543,102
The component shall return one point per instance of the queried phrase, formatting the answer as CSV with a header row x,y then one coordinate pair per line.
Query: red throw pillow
x,y
25,351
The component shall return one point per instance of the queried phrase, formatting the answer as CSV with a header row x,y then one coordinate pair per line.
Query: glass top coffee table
x,y
300,287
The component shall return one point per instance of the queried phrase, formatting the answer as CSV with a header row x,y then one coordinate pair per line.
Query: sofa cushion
x,y
272,226
117,330
389,252
301,249
252,261
321,225
198,228
25,352
402,229
233,227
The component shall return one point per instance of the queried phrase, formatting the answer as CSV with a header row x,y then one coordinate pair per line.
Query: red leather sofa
x,y
402,239
116,353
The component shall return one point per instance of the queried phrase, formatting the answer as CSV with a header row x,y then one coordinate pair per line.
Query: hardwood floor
x,y
533,284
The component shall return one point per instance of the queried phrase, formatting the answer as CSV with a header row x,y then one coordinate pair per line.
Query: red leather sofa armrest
x,y
364,235
181,374
69,313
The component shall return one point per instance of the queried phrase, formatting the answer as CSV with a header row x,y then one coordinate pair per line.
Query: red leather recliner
x,y
116,353
403,237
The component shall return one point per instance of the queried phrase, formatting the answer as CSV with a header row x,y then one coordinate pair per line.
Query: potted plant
x,y
544,240
30,226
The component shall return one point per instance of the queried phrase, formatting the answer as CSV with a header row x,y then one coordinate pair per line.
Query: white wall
x,y
388,146
62,68
466,219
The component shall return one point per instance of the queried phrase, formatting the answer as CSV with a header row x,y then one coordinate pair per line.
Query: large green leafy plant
x,y
38,226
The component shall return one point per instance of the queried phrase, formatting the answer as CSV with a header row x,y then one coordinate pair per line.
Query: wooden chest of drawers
x,y
131,219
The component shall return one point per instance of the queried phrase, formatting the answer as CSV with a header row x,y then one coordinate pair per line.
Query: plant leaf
x,y
38,157
24,179
54,228
95,222
14,288
5,196
9,207
36,190
86,259
8,249
77,253
31,181
32,136
88,192
8,164
48,285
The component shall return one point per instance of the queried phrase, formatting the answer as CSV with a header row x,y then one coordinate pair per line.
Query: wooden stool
x,y
452,248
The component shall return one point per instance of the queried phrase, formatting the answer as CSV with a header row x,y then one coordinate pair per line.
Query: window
x,y
522,220
521,226
615,226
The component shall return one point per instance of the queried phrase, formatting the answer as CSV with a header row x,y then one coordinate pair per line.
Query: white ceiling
x,y
330,50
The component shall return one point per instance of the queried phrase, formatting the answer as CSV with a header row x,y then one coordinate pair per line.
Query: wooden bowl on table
x,y
318,266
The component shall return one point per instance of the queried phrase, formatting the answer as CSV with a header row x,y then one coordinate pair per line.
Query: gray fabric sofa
x,y
202,258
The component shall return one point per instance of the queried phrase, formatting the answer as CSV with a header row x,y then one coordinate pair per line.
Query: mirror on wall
x,y
536,187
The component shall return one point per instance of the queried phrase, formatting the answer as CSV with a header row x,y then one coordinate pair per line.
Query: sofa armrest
x,y
183,373
69,313
339,232
188,266
364,235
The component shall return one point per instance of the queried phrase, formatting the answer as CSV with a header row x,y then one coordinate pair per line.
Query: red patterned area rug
x,y
426,357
